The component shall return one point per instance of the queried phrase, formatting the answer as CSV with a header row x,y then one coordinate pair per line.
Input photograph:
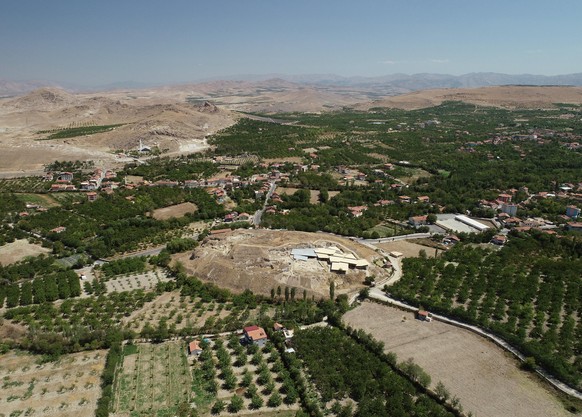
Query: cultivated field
x,y
408,248
261,260
153,380
146,281
485,378
183,312
251,373
177,211
69,387
18,250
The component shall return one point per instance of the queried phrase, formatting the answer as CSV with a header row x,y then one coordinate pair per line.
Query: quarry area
x,y
264,259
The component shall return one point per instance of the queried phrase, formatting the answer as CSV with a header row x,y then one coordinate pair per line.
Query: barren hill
x,y
159,118
510,97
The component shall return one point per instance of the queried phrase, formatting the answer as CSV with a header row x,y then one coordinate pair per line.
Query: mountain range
x,y
391,84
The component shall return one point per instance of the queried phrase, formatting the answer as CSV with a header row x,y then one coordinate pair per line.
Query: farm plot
x,y
145,281
69,387
485,379
191,315
240,378
25,184
153,380
18,250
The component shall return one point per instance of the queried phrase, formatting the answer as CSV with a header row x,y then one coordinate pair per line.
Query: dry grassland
x,y
18,250
177,211
484,377
407,248
67,388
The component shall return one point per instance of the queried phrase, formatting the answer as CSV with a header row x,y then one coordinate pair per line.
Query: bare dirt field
x,y
18,250
177,211
69,387
484,377
261,259
407,248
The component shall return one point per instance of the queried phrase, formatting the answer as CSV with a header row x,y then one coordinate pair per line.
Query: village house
x,y
65,176
417,220
423,199
92,196
194,348
255,335
499,240
357,211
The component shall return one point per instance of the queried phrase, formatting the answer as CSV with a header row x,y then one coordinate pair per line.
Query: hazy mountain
x,y
390,84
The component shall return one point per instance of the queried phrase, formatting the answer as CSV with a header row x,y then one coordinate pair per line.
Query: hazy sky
x,y
101,41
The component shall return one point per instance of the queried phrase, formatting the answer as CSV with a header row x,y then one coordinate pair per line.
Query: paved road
x,y
259,213
378,294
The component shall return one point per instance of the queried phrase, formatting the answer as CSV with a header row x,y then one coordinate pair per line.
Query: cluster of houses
x,y
338,261
98,179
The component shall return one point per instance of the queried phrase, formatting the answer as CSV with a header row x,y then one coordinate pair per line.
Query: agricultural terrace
x,y
154,379
485,379
528,292
68,387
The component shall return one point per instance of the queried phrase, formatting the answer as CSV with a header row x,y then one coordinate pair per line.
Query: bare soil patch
x,y
261,259
486,379
18,250
177,211
407,248
69,387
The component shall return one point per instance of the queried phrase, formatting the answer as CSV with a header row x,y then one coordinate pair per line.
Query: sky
x,y
100,42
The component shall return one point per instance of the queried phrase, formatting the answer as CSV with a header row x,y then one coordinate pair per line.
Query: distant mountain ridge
x,y
391,84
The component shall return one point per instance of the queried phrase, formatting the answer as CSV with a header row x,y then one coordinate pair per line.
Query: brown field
x,y
261,259
408,248
66,388
484,377
177,211
18,250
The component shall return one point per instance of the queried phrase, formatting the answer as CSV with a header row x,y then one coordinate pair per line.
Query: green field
x,y
78,131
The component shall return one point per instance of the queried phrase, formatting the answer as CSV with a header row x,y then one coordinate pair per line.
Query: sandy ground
x,y
69,387
261,259
407,248
484,377
18,250
179,210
